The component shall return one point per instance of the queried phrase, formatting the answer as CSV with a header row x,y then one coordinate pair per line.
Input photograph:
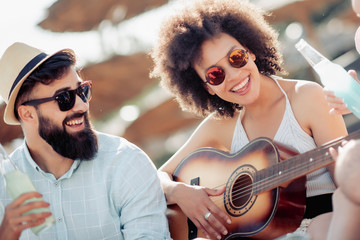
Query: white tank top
x,y
290,133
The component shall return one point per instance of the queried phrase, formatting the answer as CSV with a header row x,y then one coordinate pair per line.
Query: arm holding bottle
x,y
337,104
14,222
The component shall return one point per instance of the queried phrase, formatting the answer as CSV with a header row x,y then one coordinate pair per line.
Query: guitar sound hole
x,y
241,191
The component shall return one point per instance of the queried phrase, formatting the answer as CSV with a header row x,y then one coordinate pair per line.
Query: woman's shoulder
x,y
298,89
220,125
212,119
216,132
211,132
298,83
306,97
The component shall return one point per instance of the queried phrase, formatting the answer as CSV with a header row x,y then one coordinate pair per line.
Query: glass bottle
x,y
17,183
333,76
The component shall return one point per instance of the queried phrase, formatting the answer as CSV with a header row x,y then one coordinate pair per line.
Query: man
x,y
96,186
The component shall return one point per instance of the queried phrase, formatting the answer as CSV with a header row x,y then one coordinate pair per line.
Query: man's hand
x,y
337,104
14,222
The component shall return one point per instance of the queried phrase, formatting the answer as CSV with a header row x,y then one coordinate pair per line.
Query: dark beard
x,y
82,145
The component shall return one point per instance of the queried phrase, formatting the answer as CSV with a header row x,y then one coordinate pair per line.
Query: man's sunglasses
x,y
238,58
66,100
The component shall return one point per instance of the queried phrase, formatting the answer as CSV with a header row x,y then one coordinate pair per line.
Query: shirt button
x,y
56,184
59,220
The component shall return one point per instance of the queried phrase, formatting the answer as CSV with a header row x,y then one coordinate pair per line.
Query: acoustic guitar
x,y
264,187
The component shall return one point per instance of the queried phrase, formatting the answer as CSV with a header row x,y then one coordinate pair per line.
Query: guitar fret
x,y
292,168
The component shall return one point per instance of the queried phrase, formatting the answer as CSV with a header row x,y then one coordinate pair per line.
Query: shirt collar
x,y
36,167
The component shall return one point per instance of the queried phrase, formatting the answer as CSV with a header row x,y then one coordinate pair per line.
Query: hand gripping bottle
x,y
333,76
17,183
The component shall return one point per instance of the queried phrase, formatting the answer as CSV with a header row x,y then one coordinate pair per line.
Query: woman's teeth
x,y
241,85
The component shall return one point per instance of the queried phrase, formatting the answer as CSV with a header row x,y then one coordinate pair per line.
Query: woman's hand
x,y
14,222
337,104
195,203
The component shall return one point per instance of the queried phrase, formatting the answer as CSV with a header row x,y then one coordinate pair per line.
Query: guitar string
x,y
246,191
264,183
221,185
287,172
331,144
284,174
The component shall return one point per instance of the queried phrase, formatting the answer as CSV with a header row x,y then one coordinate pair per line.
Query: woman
x,y
219,59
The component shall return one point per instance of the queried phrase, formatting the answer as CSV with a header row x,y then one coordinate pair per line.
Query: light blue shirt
x,y
117,195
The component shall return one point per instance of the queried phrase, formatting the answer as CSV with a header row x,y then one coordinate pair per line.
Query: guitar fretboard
x,y
297,166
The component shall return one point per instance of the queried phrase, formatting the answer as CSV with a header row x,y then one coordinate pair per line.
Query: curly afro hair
x,y
180,39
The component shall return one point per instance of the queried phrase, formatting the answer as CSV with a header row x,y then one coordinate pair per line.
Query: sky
x,y
18,22
19,19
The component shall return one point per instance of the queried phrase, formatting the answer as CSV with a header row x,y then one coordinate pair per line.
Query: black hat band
x,y
30,65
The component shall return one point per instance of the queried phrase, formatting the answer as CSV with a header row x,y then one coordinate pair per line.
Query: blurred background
x,y
112,39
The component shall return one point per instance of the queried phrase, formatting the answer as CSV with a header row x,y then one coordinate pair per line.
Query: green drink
x,y
17,183
333,76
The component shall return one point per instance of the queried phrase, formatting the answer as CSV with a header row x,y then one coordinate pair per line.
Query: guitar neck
x,y
297,166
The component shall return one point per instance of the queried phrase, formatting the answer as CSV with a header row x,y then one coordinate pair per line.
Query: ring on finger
x,y
207,215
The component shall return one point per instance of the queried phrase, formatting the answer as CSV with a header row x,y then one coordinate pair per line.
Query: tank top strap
x,y
240,138
275,78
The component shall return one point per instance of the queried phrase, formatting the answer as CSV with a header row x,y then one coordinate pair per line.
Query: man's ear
x,y
26,113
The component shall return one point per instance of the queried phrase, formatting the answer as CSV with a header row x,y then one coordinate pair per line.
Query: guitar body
x,y
254,213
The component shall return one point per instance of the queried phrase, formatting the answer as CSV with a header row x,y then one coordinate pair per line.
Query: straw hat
x,y
16,64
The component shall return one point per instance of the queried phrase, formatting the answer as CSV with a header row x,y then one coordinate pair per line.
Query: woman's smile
x,y
242,87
